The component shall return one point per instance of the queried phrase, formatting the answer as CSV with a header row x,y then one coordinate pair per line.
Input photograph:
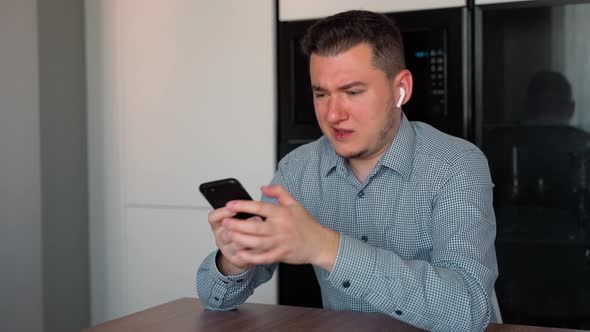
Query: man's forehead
x,y
340,69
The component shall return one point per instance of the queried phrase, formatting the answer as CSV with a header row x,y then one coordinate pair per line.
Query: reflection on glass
x,y
536,122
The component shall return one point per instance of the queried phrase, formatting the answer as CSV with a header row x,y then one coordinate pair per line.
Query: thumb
x,y
279,193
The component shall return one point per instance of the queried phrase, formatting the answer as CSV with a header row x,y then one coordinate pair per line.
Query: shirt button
x,y
364,238
361,194
398,312
346,284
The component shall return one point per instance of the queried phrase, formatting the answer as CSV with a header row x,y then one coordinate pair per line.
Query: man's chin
x,y
351,154
344,150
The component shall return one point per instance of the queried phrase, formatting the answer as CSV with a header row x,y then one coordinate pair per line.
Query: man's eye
x,y
354,92
319,95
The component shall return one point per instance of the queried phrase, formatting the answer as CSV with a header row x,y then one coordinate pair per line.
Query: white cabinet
x,y
293,10
164,250
179,92
197,103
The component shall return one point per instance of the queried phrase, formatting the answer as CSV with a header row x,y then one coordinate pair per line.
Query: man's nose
x,y
336,113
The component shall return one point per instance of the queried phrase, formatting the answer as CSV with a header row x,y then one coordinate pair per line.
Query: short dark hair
x,y
338,33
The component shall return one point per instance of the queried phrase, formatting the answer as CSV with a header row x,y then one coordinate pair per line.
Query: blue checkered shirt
x,y
417,237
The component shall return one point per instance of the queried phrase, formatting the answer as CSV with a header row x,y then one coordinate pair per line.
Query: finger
x,y
279,193
222,239
251,226
252,242
216,216
257,257
230,253
222,235
261,209
231,248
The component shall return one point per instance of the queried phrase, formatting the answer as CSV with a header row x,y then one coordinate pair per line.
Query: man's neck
x,y
361,168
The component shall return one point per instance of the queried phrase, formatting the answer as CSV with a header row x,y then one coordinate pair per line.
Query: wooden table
x,y
187,314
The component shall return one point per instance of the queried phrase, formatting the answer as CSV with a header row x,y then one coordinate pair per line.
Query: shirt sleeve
x,y
221,293
450,292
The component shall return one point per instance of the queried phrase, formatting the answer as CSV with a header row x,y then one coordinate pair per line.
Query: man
x,y
396,217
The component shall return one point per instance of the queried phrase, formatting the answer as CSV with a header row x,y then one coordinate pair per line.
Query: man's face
x,y
354,103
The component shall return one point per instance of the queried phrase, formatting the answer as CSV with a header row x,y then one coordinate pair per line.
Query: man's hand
x,y
289,233
227,263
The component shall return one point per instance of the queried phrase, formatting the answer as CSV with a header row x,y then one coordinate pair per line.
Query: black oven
x,y
436,53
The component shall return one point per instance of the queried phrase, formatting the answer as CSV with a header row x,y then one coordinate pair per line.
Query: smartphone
x,y
219,192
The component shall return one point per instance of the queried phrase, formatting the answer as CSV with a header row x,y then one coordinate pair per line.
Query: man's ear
x,y
402,96
403,81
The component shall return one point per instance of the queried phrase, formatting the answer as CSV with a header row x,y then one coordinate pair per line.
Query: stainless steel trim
x,y
478,74
466,73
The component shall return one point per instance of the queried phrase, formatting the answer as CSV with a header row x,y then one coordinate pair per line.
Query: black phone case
x,y
219,192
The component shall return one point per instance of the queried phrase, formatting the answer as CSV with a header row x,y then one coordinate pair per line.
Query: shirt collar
x,y
400,154
398,157
332,160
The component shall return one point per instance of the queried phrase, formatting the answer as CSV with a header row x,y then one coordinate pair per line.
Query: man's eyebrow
x,y
351,85
343,87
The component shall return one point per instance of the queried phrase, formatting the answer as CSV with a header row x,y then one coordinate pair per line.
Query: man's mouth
x,y
341,134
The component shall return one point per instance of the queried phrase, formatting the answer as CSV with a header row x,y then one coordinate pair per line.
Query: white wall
x,y
21,293
179,92
43,213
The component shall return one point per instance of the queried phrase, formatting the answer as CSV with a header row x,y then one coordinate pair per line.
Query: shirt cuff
x,y
231,280
354,267
223,284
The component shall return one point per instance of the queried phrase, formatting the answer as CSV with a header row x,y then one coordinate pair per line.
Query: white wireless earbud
x,y
402,93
